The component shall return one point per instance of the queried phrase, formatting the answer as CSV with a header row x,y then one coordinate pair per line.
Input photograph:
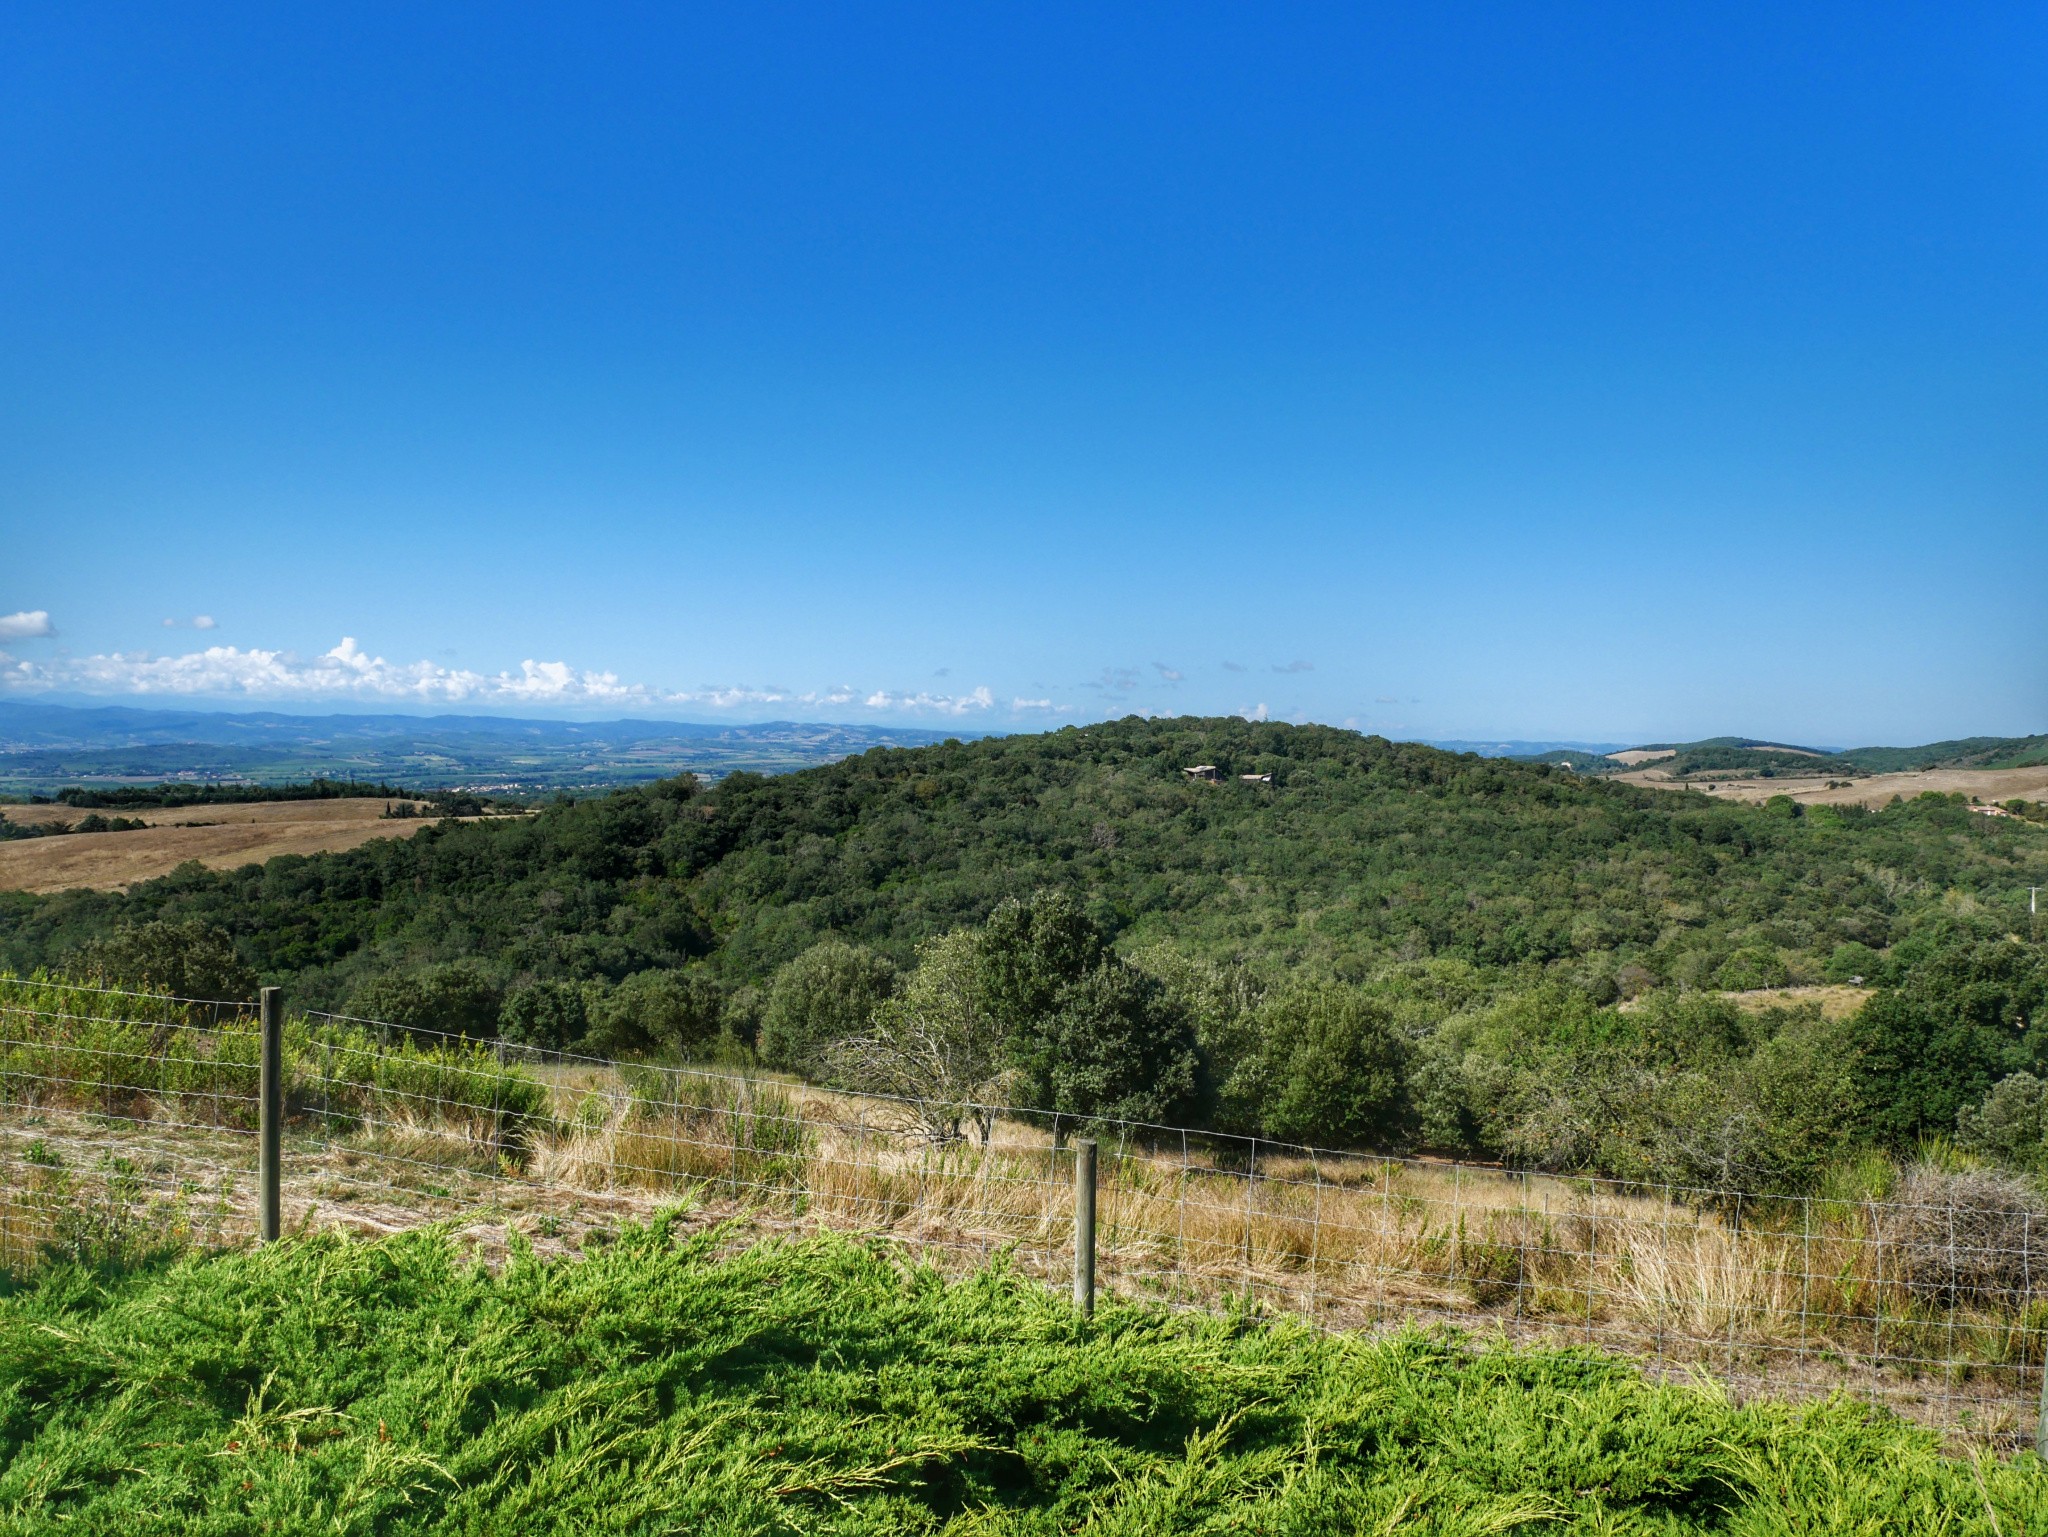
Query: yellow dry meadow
x,y
220,837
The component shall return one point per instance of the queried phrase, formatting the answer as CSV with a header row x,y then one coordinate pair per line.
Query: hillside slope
x,y
1358,852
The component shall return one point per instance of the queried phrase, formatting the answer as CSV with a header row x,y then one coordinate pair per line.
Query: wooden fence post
x,y
1084,1225
270,1114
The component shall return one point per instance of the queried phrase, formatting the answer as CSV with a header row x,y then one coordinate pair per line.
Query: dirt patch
x,y
222,837
1636,757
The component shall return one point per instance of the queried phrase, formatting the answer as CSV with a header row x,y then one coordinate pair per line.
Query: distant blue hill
x,y
1528,749
45,746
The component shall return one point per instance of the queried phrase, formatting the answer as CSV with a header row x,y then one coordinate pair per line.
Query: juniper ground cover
x,y
670,1382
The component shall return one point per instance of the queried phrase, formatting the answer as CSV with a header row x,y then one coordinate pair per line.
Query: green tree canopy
x,y
826,995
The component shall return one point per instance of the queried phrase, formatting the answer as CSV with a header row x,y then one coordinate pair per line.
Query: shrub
x,y
2010,1123
550,1015
1969,1235
675,1011
458,998
458,1085
187,960
1850,960
1752,967
826,995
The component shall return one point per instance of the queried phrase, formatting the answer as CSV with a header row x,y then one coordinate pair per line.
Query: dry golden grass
x,y
1793,1296
1837,1000
1988,785
222,837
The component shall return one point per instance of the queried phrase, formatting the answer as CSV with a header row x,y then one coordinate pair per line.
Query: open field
x,y
1837,1000
1988,785
220,836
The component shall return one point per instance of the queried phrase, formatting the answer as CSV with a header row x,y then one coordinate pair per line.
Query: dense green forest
x,y
1386,944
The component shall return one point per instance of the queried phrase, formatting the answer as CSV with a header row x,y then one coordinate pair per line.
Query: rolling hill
x,y
1359,852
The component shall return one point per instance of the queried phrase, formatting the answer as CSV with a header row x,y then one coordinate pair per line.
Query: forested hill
x,y
1357,853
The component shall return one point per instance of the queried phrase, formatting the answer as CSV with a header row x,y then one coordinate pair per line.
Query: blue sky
x,y
1611,372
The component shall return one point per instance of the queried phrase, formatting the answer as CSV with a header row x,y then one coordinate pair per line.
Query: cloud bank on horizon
x,y
347,671
231,674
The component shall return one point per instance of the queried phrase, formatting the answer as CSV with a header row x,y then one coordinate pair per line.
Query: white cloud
x,y
1295,666
196,622
349,672
1119,680
936,704
202,622
29,624
1257,712
1036,707
1168,674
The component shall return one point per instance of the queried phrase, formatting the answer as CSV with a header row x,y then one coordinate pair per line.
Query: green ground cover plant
x,y
666,1383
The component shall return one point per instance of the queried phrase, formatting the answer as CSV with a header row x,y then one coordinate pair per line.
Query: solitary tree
x,y
678,1011
936,1046
1088,1033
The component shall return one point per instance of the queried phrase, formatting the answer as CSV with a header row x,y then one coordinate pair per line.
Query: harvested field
x,y
222,837
1988,785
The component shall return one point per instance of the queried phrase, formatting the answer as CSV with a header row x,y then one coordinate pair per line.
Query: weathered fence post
x,y
2041,1419
1084,1224
270,1113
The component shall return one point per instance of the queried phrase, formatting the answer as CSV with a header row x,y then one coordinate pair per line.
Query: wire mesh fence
x,y
130,1120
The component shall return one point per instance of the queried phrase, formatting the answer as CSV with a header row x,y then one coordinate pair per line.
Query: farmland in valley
x,y
221,837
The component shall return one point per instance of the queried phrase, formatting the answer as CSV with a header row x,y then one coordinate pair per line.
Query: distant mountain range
x,y
1532,749
44,746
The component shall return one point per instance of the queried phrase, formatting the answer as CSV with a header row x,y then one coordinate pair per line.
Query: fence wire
x,y
128,1121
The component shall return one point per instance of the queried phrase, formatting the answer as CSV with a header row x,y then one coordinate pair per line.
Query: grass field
x,y
223,837
664,1384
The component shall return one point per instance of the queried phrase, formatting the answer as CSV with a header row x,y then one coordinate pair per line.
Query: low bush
x,y
394,1387
1967,1235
